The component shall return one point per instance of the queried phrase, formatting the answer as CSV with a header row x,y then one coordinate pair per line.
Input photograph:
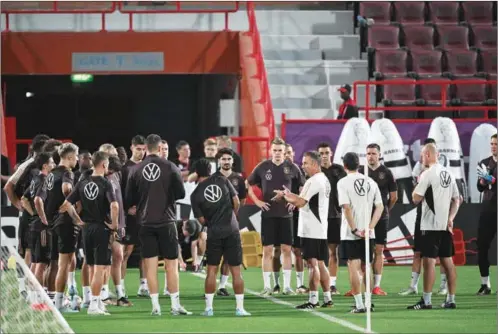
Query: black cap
x,y
345,88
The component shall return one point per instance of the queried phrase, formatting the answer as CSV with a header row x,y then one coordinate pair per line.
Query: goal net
x,y
24,305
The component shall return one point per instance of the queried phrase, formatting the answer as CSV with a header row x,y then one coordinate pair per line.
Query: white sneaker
x,y
288,292
443,291
96,311
266,292
242,313
102,306
165,292
409,291
156,312
143,292
180,311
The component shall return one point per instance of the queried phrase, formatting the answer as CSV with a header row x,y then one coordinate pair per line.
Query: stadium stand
x,y
442,41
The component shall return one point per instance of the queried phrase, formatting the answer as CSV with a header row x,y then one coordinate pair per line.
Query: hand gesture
x,y
450,226
132,211
182,265
279,195
262,205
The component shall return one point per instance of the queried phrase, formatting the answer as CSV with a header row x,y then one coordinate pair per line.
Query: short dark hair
x,y
84,152
138,140
313,155
223,151
153,142
323,145
164,141
99,157
180,144
429,141
115,164
38,142
495,136
51,145
374,145
123,157
192,226
202,168
351,161
42,159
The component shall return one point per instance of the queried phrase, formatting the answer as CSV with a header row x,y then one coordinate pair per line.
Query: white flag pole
x,y
368,272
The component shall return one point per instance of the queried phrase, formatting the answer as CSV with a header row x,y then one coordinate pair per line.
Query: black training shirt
x,y
334,173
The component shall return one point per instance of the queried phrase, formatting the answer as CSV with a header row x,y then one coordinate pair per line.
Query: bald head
x,y
429,154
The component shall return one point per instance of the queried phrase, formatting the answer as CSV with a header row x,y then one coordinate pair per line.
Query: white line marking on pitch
x,y
325,316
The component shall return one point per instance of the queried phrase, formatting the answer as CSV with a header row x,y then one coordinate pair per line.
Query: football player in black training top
x,y
276,218
84,164
226,161
132,228
15,188
215,204
334,173
39,240
486,231
153,187
63,236
97,199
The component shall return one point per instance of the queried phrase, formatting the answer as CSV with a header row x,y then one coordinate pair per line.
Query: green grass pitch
x,y
473,314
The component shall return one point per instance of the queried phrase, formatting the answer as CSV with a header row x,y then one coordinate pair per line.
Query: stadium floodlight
x,y
24,306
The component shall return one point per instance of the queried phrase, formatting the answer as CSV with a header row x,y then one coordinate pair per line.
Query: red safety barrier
x,y
444,86
57,7
261,69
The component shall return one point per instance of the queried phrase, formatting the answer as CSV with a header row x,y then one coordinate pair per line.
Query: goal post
x,y
24,305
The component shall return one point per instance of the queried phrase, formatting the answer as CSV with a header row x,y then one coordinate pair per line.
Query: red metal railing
x,y
56,7
261,70
444,97
93,7
179,7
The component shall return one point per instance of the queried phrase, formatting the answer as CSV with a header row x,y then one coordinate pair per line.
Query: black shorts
x,y
132,232
276,231
381,231
67,236
315,249
79,242
355,250
40,246
296,242
230,248
437,244
24,233
186,251
334,231
159,241
96,244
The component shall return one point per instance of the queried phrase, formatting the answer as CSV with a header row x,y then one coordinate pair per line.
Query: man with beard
x,y
334,173
97,199
215,204
153,187
14,188
183,160
348,108
210,150
226,142
486,231
63,240
131,238
39,231
84,163
225,161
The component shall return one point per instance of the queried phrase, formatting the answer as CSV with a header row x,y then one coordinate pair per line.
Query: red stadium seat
x,y
489,61
478,12
409,12
443,12
400,94
453,37
468,95
390,63
419,37
484,37
379,11
432,94
383,37
461,63
427,63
